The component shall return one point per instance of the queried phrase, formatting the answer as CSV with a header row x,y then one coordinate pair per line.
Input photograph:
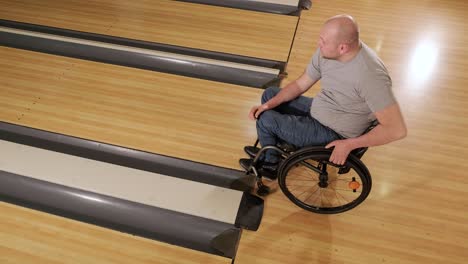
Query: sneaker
x,y
251,151
266,169
245,163
269,170
270,166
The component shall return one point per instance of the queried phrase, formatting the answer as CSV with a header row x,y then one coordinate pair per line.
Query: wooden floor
x,y
417,211
139,109
205,27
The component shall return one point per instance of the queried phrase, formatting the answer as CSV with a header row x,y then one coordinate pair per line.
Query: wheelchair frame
x,y
294,158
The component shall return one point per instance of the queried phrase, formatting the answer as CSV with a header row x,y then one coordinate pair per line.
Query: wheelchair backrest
x,y
359,152
372,126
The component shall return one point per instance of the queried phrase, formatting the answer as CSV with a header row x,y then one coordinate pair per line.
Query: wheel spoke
x,y
300,182
321,198
344,180
326,198
341,197
344,190
318,188
307,190
311,172
301,177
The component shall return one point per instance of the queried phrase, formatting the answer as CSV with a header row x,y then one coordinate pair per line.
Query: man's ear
x,y
343,48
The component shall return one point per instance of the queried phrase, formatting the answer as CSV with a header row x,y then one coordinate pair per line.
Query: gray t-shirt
x,y
350,92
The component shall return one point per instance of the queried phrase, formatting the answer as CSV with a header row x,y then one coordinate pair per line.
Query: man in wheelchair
x,y
356,90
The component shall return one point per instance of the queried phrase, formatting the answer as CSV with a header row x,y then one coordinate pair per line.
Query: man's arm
x,y
288,93
391,127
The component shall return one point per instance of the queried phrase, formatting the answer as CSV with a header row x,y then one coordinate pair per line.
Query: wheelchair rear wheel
x,y
310,181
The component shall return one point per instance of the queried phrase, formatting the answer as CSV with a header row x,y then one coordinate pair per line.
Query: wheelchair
x,y
312,182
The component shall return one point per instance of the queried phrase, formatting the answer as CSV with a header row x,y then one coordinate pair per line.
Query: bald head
x,y
343,28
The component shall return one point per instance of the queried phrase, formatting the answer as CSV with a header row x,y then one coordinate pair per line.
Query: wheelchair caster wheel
x,y
263,190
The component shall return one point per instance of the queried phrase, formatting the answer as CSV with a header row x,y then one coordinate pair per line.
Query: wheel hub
x,y
323,183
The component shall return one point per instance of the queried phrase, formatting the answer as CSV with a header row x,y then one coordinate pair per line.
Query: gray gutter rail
x,y
278,7
164,225
207,65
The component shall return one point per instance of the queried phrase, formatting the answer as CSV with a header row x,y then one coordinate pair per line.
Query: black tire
x,y
343,192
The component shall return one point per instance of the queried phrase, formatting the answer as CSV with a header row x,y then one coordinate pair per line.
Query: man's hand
x,y
257,110
341,151
288,93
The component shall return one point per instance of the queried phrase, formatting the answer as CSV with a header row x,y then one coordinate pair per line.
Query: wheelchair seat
x,y
359,152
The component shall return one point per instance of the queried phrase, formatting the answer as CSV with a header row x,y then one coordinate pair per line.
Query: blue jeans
x,y
290,122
